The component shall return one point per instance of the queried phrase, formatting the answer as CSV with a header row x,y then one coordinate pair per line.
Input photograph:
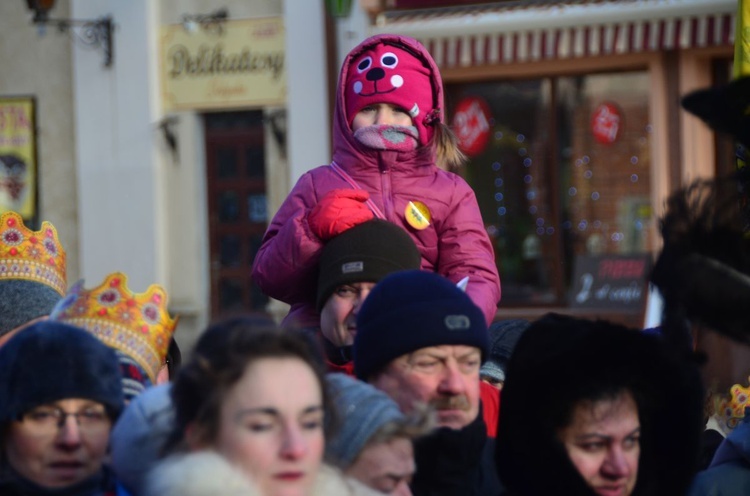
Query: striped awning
x,y
528,31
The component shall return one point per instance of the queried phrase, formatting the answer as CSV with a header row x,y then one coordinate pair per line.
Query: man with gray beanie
x,y
372,440
420,339
349,266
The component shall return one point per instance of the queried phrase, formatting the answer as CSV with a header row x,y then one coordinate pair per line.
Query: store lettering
x,y
213,61
222,90
622,269
627,294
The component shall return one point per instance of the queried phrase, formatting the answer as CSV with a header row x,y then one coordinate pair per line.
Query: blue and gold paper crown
x,y
30,255
138,325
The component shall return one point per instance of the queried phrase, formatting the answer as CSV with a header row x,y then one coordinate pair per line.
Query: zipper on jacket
x,y
385,182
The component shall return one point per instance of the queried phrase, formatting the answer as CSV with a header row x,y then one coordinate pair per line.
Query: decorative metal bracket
x,y
90,33
212,23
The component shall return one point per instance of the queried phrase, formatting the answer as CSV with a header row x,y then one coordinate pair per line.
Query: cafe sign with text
x,y
242,66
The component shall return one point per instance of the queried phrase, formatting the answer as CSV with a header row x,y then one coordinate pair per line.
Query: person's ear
x,y
163,376
195,438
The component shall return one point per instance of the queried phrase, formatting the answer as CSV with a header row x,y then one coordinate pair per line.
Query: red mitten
x,y
337,211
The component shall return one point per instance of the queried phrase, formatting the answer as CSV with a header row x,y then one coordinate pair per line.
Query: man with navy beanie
x,y
420,339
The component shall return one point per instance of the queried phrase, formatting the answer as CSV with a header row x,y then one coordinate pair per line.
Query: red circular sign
x,y
606,123
471,123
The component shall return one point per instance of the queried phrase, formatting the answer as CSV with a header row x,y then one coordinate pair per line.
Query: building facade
x,y
569,112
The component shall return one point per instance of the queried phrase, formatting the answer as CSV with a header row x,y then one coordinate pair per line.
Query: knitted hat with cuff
x,y
361,410
365,253
32,271
385,72
411,310
51,361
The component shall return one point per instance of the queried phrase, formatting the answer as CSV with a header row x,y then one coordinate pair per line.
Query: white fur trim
x,y
203,473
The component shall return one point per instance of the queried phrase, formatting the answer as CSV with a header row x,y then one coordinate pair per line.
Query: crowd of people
x,y
387,375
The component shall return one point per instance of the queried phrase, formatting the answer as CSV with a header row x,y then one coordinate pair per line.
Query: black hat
x,y
410,310
365,253
51,361
724,108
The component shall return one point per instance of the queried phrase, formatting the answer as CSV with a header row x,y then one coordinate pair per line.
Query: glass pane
x,y
227,163
230,294
230,249
605,143
256,208
509,173
233,120
255,157
229,206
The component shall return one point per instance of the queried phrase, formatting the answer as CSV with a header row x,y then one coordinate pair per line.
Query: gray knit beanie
x,y
22,301
362,410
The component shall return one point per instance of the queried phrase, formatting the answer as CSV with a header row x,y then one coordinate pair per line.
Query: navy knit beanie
x,y
365,253
410,310
51,361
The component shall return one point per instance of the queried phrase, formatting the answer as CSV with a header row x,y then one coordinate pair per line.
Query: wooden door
x,y
235,168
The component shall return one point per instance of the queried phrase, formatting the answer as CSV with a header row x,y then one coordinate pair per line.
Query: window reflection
x,y
226,159
229,206
230,249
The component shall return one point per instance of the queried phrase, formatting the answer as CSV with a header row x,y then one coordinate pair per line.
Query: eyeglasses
x,y
48,420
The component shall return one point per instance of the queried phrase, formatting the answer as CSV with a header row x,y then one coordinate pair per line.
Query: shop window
x,y
561,170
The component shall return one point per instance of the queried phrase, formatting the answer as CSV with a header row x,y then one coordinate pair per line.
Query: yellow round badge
x,y
417,215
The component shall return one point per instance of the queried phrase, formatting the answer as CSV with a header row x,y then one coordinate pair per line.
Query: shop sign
x,y
606,123
610,281
471,123
18,170
243,65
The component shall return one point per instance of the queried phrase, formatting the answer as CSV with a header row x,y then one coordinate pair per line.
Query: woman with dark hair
x,y
591,407
250,410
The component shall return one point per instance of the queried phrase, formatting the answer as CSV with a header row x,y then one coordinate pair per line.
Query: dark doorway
x,y
236,178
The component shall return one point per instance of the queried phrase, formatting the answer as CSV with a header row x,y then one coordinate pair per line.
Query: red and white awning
x,y
547,31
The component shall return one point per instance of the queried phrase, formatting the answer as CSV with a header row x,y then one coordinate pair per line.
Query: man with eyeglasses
x,y
60,393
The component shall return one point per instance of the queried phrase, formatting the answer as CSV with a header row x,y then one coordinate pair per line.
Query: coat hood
x,y
560,361
736,447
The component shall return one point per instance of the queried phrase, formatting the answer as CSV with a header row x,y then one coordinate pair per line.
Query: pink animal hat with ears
x,y
387,73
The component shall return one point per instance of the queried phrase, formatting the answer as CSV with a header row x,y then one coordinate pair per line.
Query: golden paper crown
x,y
138,325
731,410
29,255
